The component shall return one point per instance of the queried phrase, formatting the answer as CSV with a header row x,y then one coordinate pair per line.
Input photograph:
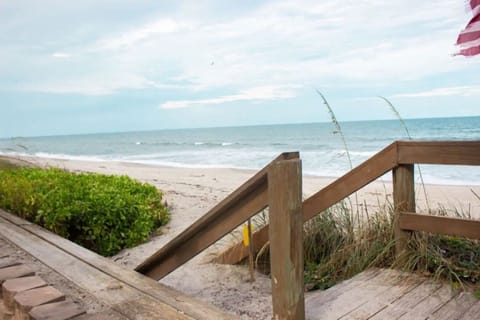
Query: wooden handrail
x,y
397,153
439,152
239,206
348,184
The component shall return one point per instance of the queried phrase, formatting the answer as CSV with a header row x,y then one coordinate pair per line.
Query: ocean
x,y
320,145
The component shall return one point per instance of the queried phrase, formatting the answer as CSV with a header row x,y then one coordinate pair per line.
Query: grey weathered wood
x,y
400,284
82,274
286,239
318,298
243,203
403,200
351,298
440,225
455,308
408,301
439,152
472,313
430,304
117,287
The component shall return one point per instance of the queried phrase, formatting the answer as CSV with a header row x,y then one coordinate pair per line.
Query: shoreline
x,y
56,158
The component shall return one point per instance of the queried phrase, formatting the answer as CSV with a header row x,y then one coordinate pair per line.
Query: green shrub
x,y
102,213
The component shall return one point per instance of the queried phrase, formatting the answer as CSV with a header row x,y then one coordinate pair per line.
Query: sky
x,y
89,66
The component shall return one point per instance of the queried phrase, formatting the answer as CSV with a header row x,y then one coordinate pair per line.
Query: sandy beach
x,y
191,192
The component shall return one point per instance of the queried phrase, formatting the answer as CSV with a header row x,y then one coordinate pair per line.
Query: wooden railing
x,y
239,206
278,186
395,157
348,184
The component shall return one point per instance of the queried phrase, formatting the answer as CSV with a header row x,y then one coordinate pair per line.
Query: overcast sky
x,y
102,66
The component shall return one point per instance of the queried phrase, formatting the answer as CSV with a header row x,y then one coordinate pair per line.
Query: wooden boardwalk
x,y
379,294
128,293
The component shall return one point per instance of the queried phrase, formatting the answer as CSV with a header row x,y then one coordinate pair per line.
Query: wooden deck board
x,y
389,294
472,313
430,304
401,286
351,299
124,296
455,308
321,297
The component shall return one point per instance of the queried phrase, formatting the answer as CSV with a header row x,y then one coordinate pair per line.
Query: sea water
x,y
321,146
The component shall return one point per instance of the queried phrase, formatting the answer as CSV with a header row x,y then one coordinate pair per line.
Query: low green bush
x,y
100,212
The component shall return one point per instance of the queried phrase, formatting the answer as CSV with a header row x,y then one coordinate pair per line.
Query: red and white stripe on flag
x,y
469,38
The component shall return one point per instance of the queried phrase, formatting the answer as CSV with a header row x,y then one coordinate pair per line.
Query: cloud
x,y
102,84
252,94
135,35
265,43
442,92
60,55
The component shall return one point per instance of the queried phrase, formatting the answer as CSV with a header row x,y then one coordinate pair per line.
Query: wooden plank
x,y
243,203
189,306
455,308
286,239
441,225
316,299
401,285
348,184
439,152
403,200
472,313
110,291
429,305
408,301
349,300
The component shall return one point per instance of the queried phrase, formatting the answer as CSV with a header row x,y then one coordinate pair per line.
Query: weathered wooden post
x,y
286,239
403,200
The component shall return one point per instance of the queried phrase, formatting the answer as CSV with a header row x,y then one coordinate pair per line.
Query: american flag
x,y
469,38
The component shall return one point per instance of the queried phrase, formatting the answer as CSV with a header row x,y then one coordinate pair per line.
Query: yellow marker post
x,y
247,235
246,238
